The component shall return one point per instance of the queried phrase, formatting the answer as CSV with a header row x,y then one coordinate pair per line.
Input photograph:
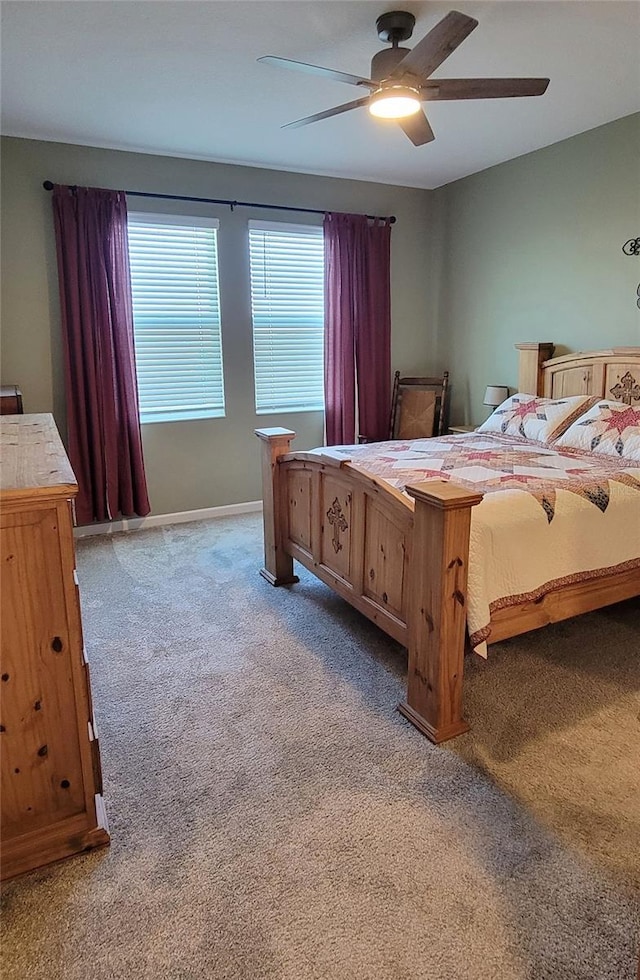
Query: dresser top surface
x,y
33,460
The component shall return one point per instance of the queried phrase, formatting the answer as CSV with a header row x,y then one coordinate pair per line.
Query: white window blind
x,y
176,312
287,300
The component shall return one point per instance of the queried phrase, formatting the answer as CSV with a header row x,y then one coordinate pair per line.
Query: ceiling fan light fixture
x,y
401,78
394,102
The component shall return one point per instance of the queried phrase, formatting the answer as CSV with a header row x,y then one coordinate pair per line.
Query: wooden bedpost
x,y
278,565
437,608
530,361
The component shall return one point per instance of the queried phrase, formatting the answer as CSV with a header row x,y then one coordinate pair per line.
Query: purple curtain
x,y
357,327
105,445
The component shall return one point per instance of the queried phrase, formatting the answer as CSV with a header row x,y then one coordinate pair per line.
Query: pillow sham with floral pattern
x,y
610,428
532,417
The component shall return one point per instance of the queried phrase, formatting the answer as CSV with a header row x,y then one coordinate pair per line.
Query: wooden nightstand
x,y
10,400
457,430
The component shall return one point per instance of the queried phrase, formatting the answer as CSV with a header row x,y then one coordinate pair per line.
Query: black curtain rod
x,y
48,186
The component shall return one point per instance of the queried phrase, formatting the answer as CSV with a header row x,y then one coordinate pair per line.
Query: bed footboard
x,y
400,561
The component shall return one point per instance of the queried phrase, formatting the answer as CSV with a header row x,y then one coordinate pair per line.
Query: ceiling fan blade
x,y
436,46
327,113
482,88
337,76
417,128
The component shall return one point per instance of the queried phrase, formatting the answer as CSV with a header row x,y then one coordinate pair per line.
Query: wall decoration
x,y
632,247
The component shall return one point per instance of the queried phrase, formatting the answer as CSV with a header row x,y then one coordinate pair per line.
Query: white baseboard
x,y
158,520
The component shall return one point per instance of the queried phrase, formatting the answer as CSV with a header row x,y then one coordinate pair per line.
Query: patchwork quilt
x,y
548,517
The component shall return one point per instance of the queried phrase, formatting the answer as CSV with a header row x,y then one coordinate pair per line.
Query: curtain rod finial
x,y
48,185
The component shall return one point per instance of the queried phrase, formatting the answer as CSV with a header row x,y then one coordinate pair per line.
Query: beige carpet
x,y
274,818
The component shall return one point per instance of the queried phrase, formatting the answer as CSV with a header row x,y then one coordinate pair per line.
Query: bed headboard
x,y
613,373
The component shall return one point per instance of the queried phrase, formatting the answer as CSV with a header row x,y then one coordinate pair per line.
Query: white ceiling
x,y
181,78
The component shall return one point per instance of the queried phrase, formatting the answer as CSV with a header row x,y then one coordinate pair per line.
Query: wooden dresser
x,y
50,764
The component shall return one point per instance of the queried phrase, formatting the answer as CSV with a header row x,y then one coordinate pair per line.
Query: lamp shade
x,y
394,102
495,395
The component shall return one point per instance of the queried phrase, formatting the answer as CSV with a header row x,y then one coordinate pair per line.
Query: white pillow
x,y
609,428
540,419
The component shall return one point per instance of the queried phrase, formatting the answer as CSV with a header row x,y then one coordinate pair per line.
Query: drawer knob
x,y
56,644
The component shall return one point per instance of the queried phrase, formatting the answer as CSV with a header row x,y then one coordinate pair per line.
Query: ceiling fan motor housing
x,y
384,62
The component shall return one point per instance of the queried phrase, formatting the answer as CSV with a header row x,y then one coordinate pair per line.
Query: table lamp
x,y
495,395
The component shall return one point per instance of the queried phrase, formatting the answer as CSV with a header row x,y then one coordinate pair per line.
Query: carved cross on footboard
x,y
337,519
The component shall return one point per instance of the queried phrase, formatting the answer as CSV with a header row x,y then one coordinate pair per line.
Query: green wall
x,y
532,251
528,250
208,462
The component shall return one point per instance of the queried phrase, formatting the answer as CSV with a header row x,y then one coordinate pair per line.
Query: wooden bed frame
x,y
403,562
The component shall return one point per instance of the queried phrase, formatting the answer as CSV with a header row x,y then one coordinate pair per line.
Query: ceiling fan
x,y
400,77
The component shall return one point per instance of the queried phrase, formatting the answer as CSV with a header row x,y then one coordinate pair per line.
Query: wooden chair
x,y
419,407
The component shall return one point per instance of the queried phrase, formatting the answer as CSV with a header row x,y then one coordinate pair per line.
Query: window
x,y
287,301
176,314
